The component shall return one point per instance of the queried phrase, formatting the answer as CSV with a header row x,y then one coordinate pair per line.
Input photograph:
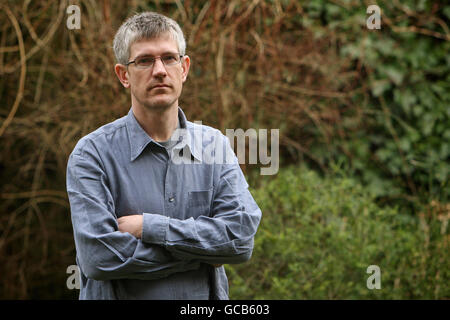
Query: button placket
x,y
170,187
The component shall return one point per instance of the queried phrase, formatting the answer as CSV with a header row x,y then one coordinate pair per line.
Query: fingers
x,y
131,224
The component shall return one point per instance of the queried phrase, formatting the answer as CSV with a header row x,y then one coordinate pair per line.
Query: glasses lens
x,y
144,62
148,61
170,59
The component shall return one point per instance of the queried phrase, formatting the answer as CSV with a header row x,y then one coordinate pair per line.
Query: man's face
x,y
159,86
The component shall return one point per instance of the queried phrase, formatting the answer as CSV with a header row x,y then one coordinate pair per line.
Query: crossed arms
x,y
133,224
152,246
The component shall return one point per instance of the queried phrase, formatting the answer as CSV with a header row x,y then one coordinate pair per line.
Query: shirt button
x,y
171,199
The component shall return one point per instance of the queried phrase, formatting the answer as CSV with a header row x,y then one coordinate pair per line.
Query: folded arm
x,y
226,236
103,251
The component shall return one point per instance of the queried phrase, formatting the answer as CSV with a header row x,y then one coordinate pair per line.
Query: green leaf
x,y
378,87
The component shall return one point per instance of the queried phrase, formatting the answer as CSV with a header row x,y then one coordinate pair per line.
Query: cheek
x,y
180,80
139,80
179,86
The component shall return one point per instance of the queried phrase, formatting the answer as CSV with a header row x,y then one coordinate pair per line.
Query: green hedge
x,y
402,145
318,236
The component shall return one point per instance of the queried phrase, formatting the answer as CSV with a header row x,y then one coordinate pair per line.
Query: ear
x,y
122,74
185,64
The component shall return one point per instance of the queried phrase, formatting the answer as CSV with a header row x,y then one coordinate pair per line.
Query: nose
x,y
159,70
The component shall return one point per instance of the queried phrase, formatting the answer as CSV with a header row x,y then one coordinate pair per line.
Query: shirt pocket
x,y
199,202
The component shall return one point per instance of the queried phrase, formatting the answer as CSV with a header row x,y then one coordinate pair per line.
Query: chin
x,y
162,104
157,102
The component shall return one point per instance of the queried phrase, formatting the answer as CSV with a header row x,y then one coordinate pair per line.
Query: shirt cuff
x,y
154,228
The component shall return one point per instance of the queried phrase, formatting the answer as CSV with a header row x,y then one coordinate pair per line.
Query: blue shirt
x,y
197,211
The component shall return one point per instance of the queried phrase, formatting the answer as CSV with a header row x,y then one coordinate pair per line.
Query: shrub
x,y
318,236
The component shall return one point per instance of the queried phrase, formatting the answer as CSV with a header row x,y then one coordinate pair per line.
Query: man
x,y
147,227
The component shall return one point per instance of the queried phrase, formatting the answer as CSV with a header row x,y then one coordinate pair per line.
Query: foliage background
x,y
364,133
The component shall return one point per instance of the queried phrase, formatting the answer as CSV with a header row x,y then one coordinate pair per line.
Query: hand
x,y
131,224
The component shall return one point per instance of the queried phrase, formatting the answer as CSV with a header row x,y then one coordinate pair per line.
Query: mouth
x,y
159,86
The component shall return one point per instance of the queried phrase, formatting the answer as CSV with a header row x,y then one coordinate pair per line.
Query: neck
x,y
159,124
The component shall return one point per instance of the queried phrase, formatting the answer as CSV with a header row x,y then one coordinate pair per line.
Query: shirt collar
x,y
139,139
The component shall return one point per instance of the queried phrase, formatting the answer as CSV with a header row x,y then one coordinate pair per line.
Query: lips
x,y
161,85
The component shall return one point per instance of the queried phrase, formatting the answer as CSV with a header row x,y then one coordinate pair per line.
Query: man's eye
x,y
145,61
169,58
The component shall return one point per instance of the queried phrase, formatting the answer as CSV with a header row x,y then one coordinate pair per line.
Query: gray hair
x,y
146,25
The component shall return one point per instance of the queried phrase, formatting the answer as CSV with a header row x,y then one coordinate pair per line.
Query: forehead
x,y
153,46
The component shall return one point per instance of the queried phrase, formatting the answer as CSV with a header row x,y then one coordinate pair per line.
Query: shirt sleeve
x,y
103,252
226,236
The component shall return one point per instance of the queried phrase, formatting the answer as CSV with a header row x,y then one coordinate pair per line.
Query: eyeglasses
x,y
145,62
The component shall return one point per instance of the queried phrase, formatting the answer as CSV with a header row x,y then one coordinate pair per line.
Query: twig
x,y
30,28
23,71
9,49
44,42
43,67
198,22
32,194
77,52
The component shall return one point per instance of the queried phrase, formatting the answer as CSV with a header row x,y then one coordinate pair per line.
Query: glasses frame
x,y
154,61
